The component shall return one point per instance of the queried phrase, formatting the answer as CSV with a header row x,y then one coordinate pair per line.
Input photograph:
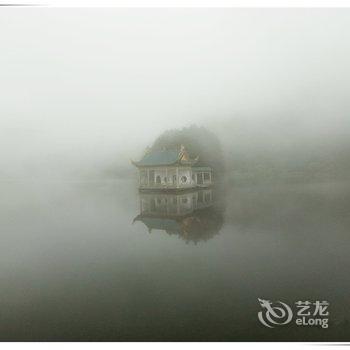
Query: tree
x,y
198,141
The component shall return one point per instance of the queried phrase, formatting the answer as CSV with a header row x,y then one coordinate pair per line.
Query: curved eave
x,y
202,168
138,165
177,162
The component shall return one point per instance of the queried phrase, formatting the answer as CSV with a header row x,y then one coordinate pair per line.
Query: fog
x,y
84,88
85,256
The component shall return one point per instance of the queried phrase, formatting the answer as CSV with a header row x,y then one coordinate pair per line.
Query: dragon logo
x,y
274,315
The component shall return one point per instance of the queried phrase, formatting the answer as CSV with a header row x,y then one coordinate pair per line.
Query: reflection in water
x,y
192,215
74,268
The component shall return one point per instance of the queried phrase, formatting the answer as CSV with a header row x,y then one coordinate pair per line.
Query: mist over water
x,y
75,264
99,85
80,99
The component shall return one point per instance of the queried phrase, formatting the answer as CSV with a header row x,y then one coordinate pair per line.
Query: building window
x,y
153,204
158,179
174,178
207,197
200,178
184,200
151,176
143,177
206,177
193,178
183,179
200,197
165,179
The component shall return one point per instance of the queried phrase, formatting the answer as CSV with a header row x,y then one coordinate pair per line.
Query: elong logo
x,y
279,313
274,315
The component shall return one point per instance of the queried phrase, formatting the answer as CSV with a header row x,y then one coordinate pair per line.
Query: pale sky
x,y
105,82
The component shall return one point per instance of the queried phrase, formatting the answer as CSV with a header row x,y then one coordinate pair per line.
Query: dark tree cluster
x,y
198,141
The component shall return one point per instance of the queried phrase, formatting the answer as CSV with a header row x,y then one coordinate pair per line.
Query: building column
x,y
148,177
166,176
177,177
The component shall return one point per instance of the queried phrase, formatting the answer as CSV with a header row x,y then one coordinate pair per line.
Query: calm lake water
x,y
98,261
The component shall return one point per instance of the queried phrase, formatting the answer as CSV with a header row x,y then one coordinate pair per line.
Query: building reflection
x,y
192,215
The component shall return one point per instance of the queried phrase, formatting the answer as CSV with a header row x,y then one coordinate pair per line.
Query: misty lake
x,y
98,261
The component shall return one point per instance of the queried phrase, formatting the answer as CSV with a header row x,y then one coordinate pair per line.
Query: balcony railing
x,y
167,186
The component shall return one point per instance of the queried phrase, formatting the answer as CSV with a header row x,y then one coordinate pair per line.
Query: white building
x,y
171,170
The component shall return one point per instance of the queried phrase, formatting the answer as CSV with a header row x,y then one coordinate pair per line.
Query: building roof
x,y
201,225
155,158
201,168
171,157
156,223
